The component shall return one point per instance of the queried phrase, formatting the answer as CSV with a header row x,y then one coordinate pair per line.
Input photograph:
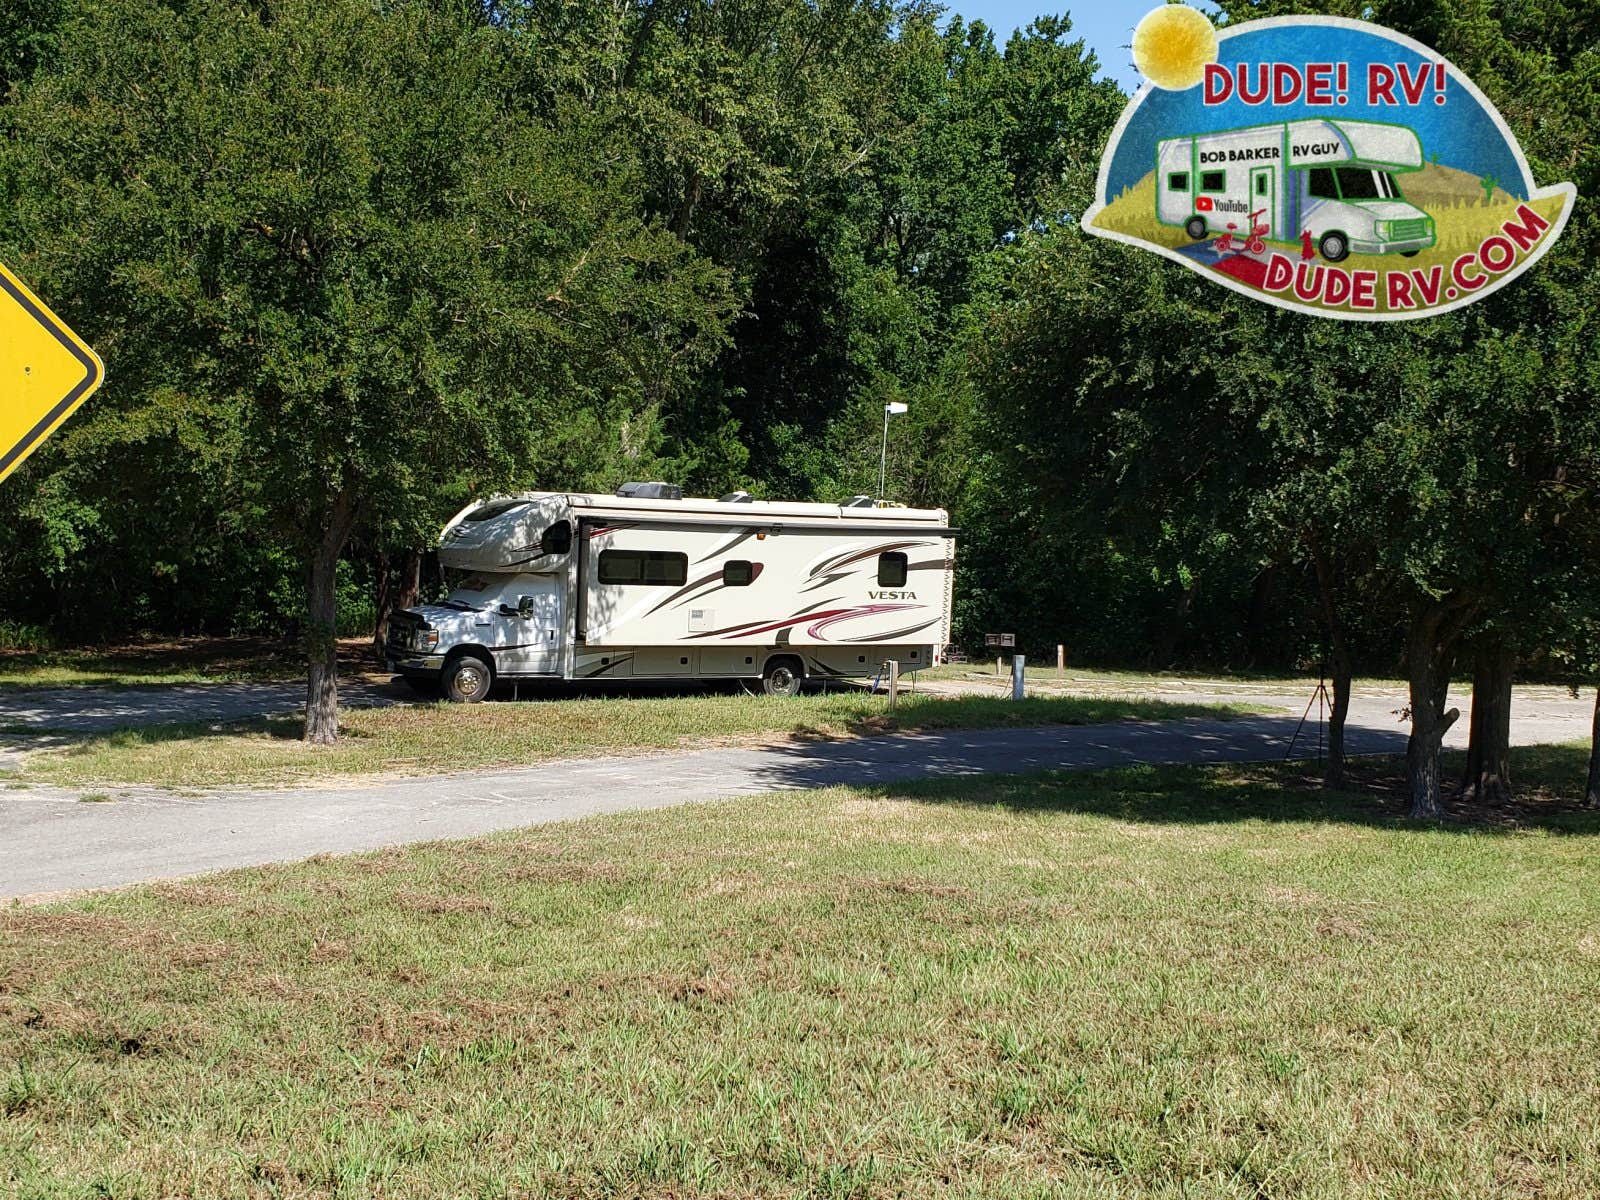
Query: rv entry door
x,y
1263,194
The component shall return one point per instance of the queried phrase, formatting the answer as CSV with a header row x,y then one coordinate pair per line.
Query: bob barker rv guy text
x,y
648,584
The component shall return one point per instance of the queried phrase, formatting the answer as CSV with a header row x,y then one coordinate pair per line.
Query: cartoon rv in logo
x,y
1327,184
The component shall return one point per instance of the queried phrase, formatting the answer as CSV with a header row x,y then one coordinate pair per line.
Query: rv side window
x,y
649,567
557,539
738,573
1261,184
1320,185
1178,181
892,569
1213,181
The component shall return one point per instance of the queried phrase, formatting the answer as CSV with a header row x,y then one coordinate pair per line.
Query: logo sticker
x,y
1323,165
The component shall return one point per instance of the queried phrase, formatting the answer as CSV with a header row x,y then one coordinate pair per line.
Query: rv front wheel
x,y
781,678
1195,227
1334,246
466,679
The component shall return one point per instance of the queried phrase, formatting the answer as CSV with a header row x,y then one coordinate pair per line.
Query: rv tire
x,y
1196,227
1409,253
1335,247
467,678
782,677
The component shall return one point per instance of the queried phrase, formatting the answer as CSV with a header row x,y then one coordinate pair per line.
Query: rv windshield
x,y
1364,183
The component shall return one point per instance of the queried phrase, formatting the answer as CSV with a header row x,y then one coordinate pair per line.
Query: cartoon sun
x,y
1172,45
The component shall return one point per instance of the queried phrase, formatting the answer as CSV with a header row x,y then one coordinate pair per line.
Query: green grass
x,y
430,739
1203,982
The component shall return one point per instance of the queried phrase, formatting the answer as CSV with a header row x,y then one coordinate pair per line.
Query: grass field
x,y
173,661
429,739
1202,982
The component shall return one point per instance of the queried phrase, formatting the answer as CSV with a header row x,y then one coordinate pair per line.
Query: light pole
x,y
893,408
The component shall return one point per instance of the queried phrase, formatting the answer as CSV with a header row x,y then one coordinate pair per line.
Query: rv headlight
x,y
1383,229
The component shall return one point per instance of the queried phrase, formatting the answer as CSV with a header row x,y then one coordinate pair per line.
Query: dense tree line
x,y
351,264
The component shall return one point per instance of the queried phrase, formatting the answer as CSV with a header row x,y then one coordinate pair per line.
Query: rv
x,y
1333,179
650,585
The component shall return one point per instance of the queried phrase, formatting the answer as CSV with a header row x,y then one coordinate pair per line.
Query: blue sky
x,y
1107,25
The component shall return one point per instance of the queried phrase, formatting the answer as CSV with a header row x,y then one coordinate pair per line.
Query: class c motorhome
x,y
647,584
1336,180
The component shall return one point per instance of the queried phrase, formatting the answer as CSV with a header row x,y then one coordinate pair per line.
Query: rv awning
x,y
1324,143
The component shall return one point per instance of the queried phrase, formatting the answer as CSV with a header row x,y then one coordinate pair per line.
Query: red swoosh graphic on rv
x,y
819,620
868,610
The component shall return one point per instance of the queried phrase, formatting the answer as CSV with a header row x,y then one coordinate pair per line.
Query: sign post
x,y
999,641
46,372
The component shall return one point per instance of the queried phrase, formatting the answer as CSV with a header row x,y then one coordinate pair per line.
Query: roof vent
x,y
735,498
650,491
859,502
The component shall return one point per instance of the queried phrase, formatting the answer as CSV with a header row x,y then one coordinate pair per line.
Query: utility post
x,y
1019,663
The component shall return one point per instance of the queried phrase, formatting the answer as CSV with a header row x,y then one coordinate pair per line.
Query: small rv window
x,y
738,573
1320,185
557,539
1178,181
1213,181
649,567
1261,184
892,569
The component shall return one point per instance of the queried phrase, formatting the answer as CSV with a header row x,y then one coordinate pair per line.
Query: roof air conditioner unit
x,y
859,502
736,498
651,491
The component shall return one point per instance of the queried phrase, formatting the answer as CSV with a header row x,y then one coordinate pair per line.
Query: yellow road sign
x,y
46,371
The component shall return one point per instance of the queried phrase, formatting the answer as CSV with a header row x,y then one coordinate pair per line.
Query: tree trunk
x,y
1488,775
382,592
322,664
1591,793
1428,661
1340,668
1167,649
1342,674
399,585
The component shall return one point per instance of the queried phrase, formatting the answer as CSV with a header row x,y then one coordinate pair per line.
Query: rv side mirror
x,y
525,607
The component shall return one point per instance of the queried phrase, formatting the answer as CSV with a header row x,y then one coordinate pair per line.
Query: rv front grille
x,y
1412,227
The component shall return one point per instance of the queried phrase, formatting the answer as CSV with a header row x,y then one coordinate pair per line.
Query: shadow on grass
x,y
1549,789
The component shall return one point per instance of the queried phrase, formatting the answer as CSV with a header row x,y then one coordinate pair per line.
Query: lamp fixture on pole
x,y
893,408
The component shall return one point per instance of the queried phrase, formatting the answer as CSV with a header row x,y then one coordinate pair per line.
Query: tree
x,y
389,286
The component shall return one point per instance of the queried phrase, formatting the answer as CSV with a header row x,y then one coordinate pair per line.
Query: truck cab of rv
x,y
1359,209
505,563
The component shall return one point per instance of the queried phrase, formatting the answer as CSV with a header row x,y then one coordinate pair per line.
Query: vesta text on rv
x,y
1388,85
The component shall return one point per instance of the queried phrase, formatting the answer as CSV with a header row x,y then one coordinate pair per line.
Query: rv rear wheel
x,y
466,679
1195,227
782,677
1335,247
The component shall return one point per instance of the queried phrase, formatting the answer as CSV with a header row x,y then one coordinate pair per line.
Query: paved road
x,y
52,841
